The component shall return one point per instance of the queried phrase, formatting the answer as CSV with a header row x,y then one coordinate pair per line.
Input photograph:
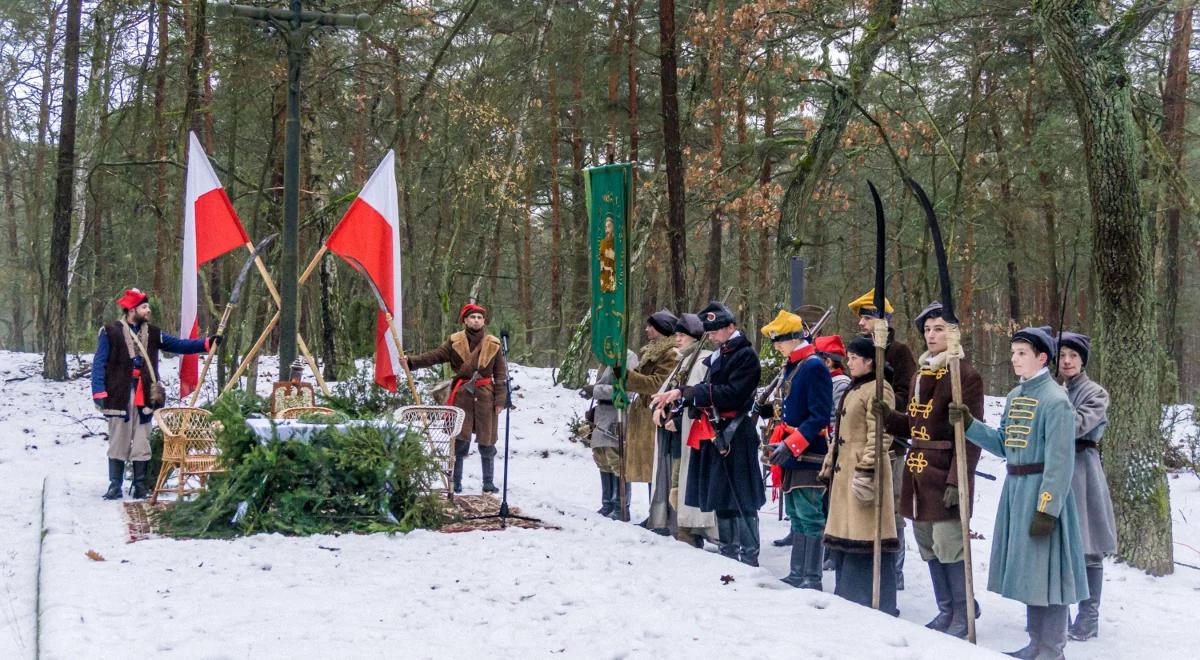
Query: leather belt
x,y
1027,468
936,445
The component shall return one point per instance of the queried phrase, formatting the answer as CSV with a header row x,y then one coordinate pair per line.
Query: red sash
x,y
458,382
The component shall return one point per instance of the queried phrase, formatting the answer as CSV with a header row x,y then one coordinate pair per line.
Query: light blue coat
x,y
1038,427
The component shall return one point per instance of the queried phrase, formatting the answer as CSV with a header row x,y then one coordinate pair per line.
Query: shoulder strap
x,y
141,349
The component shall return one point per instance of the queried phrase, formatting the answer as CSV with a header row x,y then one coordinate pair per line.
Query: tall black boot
x,y
958,599
606,493
1033,626
785,541
727,536
619,512
748,543
900,559
140,490
116,473
1054,632
1087,623
813,553
941,593
795,576
458,471
487,459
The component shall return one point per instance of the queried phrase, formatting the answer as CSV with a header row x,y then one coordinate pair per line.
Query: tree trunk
x,y
716,217
580,281
1094,71
879,29
36,178
676,223
16,336
1174,116
54,363
555,216
163,245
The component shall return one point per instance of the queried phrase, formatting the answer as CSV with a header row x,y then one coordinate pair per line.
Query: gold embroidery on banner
x,y
1044,500
1025,409
916,462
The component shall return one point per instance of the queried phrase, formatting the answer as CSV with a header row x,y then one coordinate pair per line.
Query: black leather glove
x,y
1042,524
957,412
765,410
100,403
586,391
781,454
215,340
882,408
950,496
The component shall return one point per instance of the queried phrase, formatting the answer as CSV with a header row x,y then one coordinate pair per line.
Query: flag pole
x,y
262,338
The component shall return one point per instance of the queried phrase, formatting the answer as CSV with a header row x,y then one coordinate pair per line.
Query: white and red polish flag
x,y
210,229
370,234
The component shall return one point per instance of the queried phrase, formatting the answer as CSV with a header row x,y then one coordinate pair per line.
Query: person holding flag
x,y
124,386
478,388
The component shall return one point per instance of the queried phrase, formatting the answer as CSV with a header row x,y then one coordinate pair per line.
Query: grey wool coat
x,y
1097,524
1038,427
604,426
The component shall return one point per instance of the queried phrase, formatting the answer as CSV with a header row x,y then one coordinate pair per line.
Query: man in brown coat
x,y
478,388
929,492
656,361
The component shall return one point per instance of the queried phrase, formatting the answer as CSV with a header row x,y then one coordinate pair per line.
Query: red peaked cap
x,y
132,298
830,344
471,308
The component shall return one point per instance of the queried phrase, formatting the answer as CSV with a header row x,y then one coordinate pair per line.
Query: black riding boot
x,y
140,490
795,576
900,560
958,599
727,536
607,488
1033,626
116,473
1054,632
458,470
748,543
941,593
1087,622
619,512
813,554
487,459
783,542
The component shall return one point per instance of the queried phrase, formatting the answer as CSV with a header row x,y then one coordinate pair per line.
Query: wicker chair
x,y
189,450
298,411
440,425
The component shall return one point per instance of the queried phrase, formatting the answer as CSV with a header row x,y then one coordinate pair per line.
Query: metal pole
x,y
288,291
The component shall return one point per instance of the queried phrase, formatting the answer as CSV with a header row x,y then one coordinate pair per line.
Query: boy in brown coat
x,y
929,491
478,388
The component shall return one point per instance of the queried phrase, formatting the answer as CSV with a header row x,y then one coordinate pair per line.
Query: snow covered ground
x,y
594,588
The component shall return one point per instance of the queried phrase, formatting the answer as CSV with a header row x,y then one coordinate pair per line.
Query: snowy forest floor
x,y
594,588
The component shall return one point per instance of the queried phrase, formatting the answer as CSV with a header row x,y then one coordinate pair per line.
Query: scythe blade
x,y
940,249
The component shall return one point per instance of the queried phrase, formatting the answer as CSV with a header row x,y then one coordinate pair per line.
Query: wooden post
x,y
412,384
879,335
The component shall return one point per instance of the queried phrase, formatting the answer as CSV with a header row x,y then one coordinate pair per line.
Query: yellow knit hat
x,y
867,302
785,326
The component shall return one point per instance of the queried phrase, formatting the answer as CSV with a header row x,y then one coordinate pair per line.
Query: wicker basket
x,y
440,425
189,450
298,411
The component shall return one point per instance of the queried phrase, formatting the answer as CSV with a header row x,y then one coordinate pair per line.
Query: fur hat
x,y
469,309
864,305
1041,338
131,299
932,311
716,316
663,321
690,325
786,326
1081,344
862,347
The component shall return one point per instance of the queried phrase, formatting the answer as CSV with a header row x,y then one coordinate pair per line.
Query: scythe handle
x,y
964,496
877,547
208,358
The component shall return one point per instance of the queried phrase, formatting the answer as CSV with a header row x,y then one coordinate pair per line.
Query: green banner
x,y
609,191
